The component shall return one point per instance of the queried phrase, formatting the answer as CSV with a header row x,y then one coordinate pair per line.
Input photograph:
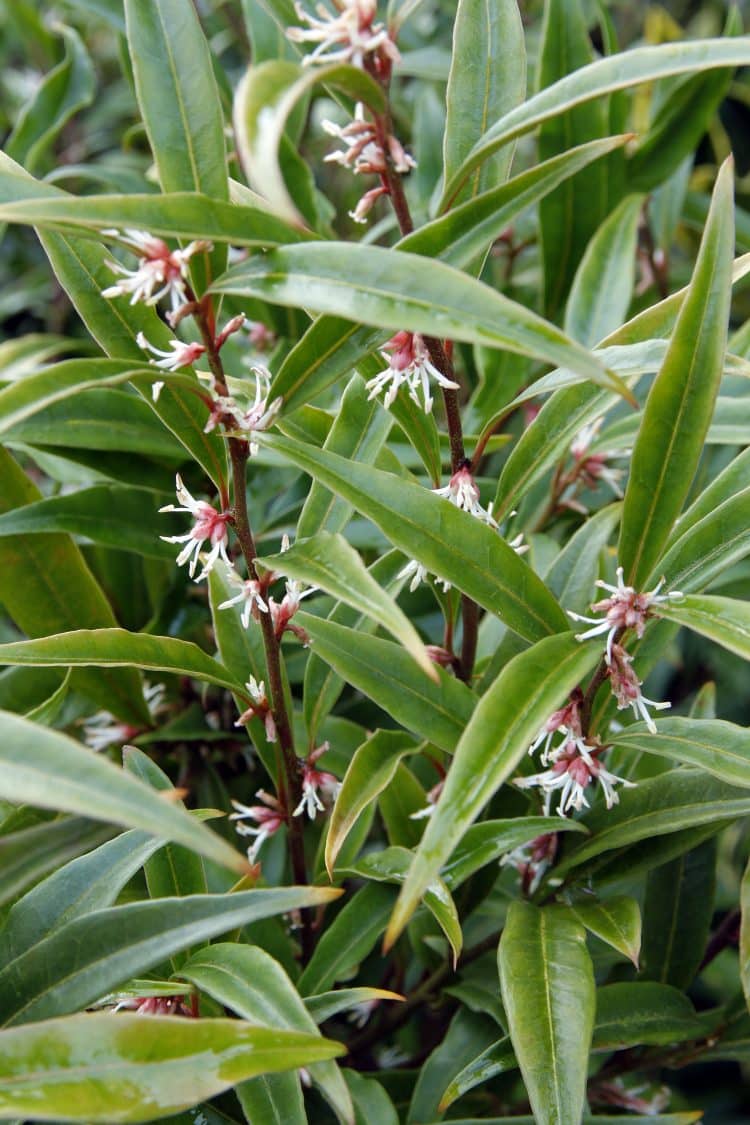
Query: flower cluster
x,y
624,609
209,525
103,729
161,272
268,818
409,365
531,860
314,783
259,708
255,418
349,35
573,764
364,154
589,469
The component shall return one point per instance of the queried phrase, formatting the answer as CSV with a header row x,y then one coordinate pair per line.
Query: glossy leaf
x,y
142,1068
95,953
487,79
494,742
496,1059
437,711
370,771
709,546
617,922
44,768
640,1012
603,285
492,839
393,289
449,543
642,64
724,620
118,648
674,801
547,982
29,854
681,399
348,939
256,988
392,866
327,1004
718,747
677,910
327,561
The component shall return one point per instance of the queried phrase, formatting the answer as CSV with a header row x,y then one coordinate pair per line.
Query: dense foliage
x,y
374,413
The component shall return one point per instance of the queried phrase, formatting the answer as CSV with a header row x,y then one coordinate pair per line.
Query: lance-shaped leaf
x,y
505,722
617,922
397,290
118,648
674,801
331,346
708,546
30,853
724,620
142,1069
87,958
491,839
44,768
392,866
720,748
644,64
677,913
329,562
177,214
449,543
327,1004
487,79
637,1012
547,982
435,710
348,939
265,98
256,988
680,403
496,1059
371,769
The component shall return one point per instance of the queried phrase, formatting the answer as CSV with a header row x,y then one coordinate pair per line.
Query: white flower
x,y
409,365
462,491
626,687
209,524
268,817
249,597
181,355
103,729
418,573
259,708
282,612
345,37
161,272
575,765
256,418
625,609
313,781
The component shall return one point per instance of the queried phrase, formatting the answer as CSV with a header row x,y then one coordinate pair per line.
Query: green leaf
x,y
642,64
371,1102
435,710
449,543
327,1004
487,79
90,956
29,854
603,285
495,740
708,546
370,771
469,1032
485,842
118,648
178,96
719,748
677,911
572,575
67,88
348,939
680,403
724,620
177,214
46,585
124,518
328,561
676,800
265,98
142,1069
256,988
745,934
547,982
392,866
393,289
88,883
496,1059
332,346
50,770
635,1013
617,922
569,216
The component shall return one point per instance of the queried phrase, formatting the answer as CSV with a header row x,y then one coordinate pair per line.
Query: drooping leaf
x,y
617,921
724,620
142,1068
718,747
547,982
